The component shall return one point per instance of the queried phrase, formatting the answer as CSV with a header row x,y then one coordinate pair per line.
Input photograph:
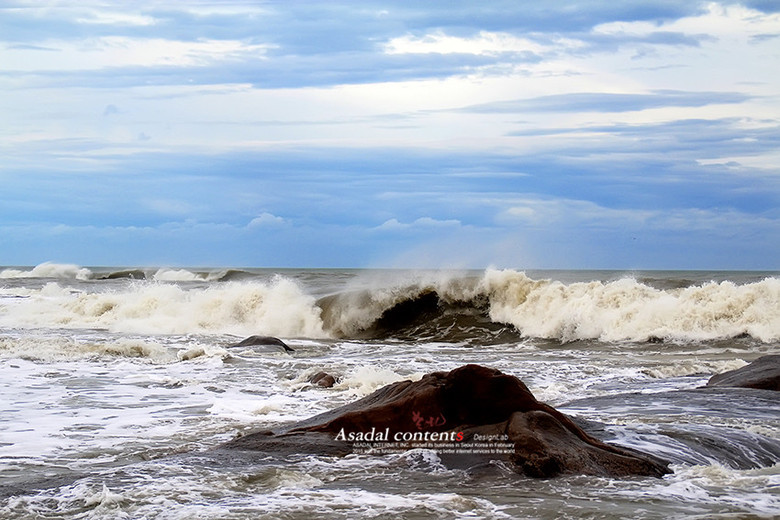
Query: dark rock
x,y
762,374
467,405
322,379
270,341
291,444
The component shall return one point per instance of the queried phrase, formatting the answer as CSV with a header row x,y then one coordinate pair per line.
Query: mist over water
x,y
118,381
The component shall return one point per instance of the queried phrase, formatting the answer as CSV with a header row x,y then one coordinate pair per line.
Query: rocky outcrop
x,y
762,374
457,411
264,341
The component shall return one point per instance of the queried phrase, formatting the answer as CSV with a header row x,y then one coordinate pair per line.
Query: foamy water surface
x,y
119,383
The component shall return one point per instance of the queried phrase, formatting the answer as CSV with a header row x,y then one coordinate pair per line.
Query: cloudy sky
x,y
523,134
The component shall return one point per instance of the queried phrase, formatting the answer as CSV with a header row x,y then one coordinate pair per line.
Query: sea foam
x,y
628,310
277,308
49,270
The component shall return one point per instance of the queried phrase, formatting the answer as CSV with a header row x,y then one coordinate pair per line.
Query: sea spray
x,y
626,310
365,300
48,270
277,308
363,380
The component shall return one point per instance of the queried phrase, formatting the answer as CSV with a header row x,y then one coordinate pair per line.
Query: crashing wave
x,y
500,306
620,310
49,270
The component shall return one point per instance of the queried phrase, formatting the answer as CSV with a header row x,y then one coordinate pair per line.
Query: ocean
x,y
117,384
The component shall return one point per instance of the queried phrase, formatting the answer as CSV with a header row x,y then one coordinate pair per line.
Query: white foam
x,y
59,348
269,493
364,380
202,352
361,503
176,275
104,497
745,491
49,270
246,409
628,310
276,308
286,479
685,367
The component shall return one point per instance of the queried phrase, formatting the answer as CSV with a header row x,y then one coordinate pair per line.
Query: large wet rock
x,y
762,374
455,413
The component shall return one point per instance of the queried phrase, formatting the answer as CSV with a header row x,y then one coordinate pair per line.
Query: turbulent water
x,y
117,382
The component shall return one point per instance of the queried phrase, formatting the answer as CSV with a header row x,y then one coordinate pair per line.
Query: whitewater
x,y
118,381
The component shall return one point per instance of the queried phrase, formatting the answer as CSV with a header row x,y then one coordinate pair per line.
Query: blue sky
x,y
586,134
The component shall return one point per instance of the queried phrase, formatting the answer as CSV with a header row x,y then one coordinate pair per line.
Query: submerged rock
x,y
469,415
322,379
762,374
268,341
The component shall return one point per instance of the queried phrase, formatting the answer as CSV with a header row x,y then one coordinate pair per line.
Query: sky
x,y
584,134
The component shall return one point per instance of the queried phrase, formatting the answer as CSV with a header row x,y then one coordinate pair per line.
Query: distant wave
x,y
184,275
49,270
177,275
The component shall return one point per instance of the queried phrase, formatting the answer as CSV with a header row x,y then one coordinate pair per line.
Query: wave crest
x,y
49,270
428,308
507,304
497,306
629,310
276,308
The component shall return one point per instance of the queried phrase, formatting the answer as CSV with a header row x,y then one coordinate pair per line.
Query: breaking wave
x,y
277,308
51,270
503,303
629,310
497,306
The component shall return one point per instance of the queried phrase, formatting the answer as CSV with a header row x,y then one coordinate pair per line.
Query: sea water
x,y
119,383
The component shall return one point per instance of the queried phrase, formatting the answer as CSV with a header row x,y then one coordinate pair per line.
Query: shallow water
x,y
117,390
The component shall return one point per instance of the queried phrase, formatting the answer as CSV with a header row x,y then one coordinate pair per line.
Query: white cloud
x,y
115,18
729,21
122,51
568,212
432,222
588,216
392,225
717,21
266,220
522,213
485,43
84,87
420,223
